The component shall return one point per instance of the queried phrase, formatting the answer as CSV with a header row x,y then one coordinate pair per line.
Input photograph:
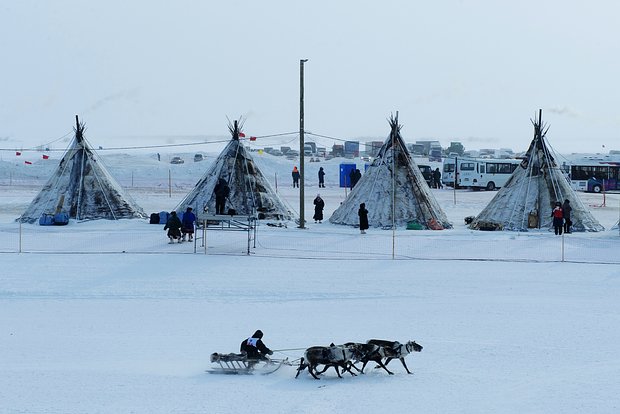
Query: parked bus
x,y
595,175
490,174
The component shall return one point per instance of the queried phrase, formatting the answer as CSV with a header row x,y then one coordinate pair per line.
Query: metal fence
x,y
326,242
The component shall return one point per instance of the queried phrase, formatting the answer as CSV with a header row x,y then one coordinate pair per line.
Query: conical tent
x,y
83,188
394,191
528,197
250,192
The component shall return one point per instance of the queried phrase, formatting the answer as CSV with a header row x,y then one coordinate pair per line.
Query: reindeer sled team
x,y
254,357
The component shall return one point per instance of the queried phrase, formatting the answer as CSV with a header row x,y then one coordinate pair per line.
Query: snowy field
x,y
95,330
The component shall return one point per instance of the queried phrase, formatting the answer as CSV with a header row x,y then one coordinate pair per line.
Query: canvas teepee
x,y
250,192
82,187
528,197
394,191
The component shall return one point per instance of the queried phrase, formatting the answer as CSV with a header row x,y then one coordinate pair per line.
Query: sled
x,y
240,364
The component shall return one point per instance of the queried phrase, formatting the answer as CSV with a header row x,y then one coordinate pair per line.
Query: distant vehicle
x,y
308,149
176,160
276,152
595,176
489,174
447,177
292,154
427,173
338,150
351,149
434,154
198,158
416,149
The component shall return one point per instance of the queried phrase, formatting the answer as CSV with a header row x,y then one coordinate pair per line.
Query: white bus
x,y
447,175
477,173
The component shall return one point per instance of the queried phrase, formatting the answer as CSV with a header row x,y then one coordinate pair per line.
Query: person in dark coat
x,y
437,178
319,205
558,218
188,221
357,177
566,209
351,179
295,174
221,191
173,225
254,347
321,178
363,213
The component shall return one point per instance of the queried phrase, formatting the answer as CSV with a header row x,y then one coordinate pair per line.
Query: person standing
x,y
351,179
296,176
319,205
321,178
188,221
221,191
558,218
437,178
173,225
363,213
358,177
566,209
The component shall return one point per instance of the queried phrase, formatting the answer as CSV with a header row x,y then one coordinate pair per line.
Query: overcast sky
x,y
472,71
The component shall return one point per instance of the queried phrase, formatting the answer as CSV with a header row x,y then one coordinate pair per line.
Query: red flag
x,y
18,153
252,138
241,135
45,157
27,162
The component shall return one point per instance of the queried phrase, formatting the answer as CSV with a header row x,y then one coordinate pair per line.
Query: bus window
x,y
491,168
482,168
504,169
468,166
448,168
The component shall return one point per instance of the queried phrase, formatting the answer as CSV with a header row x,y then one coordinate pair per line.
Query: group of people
x,y
179,230
561,217
354,176
296,175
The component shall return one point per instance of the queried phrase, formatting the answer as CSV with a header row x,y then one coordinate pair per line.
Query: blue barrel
x,y
46,219
345,170
61,219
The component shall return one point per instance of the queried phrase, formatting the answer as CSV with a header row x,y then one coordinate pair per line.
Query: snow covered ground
x,y
96,330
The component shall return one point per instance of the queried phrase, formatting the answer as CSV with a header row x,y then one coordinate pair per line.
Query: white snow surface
x,y
94,332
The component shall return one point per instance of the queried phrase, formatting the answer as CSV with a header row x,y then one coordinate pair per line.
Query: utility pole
x,y
302,221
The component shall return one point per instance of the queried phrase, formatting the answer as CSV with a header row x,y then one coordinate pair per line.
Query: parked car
x,y
198,158
427,173
176,160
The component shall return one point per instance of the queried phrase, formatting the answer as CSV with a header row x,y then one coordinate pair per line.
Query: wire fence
x,y
318,242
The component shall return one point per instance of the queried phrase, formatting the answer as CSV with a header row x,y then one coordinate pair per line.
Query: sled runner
x,y
240,364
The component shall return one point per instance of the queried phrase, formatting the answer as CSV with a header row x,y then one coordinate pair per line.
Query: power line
x,y
146,146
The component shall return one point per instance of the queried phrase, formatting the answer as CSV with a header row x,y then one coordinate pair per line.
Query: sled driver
x,y
254,347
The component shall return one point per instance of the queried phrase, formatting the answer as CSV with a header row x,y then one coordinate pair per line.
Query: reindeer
x,y
337,356
390,350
